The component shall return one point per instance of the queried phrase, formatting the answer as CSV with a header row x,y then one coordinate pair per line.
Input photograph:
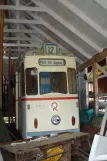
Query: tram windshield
x,y
50,82
53,82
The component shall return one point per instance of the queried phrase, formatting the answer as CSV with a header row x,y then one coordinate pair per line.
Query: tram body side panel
x,y
42,111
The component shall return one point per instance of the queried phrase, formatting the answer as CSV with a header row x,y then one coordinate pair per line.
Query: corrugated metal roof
x,y
79,26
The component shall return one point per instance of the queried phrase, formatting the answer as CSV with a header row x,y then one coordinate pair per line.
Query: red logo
x,y
54,106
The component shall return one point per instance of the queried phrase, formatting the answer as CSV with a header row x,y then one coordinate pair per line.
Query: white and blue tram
x,y
46,95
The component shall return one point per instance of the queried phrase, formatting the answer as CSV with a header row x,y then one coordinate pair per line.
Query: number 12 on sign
x,y
51,49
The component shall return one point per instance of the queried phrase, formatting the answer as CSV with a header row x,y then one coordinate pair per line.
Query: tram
x,y
46,95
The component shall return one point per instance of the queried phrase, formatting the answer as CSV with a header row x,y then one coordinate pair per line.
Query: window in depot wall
x,y
31,81
72,85
22,80
53,82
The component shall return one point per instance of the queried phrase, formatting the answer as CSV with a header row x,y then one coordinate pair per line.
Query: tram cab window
x,y
72,81
53,82
31,81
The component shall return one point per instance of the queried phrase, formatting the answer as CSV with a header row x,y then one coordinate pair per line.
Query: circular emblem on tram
x,y
54,107
55,120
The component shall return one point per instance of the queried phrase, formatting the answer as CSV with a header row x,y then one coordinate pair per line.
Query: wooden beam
x,y
95,86
101,55
1,49
97,58
85,65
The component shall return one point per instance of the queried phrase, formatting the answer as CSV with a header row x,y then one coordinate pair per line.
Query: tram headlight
x,y
55,120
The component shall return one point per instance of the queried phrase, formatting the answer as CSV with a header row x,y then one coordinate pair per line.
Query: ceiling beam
x,y
21,39
102,3
45,35
84,17
24,3
80,61
6,57
63,37
32,38
22,21
101,55
85,65
21,8
35,30
20,31
70,27
52,40
17,50
17,2
21,45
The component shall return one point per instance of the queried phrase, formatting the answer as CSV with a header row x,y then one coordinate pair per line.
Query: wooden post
x,y
67,154
1,49
95,86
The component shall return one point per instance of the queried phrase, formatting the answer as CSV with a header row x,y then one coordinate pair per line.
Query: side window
x,y
31,81
72,81
22,80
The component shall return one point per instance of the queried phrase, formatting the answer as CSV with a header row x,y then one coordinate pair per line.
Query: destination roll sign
x,y
51,62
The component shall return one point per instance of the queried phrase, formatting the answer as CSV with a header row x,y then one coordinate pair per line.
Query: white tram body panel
x,y
52,105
